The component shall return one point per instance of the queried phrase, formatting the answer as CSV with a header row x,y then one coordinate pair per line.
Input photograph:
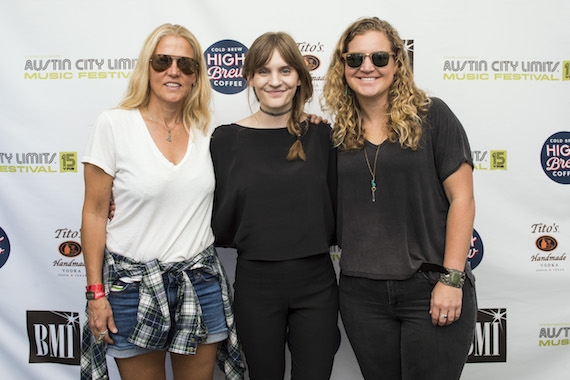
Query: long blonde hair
x,y
407,105
259,54
196,108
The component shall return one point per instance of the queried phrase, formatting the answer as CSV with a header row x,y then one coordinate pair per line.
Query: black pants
x,y
389,327
293,302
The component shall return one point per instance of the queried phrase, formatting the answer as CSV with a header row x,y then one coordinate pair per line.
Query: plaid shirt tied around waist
x,y
153,315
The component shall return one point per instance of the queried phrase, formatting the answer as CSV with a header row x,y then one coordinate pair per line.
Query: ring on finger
x,y
443,316
101,336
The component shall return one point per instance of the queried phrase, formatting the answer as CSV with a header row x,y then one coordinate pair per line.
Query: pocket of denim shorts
x,y
120,287
200,276
207,277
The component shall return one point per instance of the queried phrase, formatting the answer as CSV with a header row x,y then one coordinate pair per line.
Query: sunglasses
x,y
355,60
161,62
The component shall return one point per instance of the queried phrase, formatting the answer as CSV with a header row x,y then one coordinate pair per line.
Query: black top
x,y
267,207
392,237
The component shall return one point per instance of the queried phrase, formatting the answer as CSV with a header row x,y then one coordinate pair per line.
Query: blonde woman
x,y
274,202
154,282
405,212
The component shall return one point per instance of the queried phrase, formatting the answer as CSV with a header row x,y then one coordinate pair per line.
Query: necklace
x,y
372,172
277,113
169,138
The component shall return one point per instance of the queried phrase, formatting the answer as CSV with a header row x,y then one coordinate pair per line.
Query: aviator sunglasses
x,y
161,62
355,60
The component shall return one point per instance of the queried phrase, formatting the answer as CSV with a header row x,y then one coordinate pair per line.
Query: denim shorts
x,y
124,300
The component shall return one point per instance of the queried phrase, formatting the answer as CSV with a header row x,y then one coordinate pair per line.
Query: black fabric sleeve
x,y
450,143
224,212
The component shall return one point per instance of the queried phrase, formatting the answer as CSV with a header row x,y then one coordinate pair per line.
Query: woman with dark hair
x,y
274,202
405,212
154,281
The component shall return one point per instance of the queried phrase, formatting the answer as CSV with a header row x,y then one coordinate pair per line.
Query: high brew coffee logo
x,y
555,157
475,255
54,337
224,60
4,248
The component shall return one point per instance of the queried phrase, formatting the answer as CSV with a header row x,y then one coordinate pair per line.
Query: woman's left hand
x,y
445,305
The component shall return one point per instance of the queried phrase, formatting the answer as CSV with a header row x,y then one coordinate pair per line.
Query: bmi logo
x,y
409,46
54,337
490,340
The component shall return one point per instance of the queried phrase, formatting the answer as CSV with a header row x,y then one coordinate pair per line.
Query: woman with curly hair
x,y
405,212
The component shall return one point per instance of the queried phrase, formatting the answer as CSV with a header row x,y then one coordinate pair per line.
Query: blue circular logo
x,y
475,251
224,60
4,248
555,157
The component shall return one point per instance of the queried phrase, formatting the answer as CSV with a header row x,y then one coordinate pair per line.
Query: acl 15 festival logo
x,y
548,256
555,157
224,60
490,340
4,248
489,160
470,69
57,68
38,162
554,335
54,337
70,265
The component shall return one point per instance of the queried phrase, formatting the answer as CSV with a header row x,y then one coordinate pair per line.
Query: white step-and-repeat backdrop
x,y
502,66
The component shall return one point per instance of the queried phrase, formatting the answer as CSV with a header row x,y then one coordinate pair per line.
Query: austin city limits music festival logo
x,y
469,69
555,157
58,68
489,160
38,162
554,335
54,337
4,247
490,340
224,60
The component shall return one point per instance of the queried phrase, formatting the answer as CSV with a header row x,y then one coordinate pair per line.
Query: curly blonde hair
x,y
196,108
259,54
407,105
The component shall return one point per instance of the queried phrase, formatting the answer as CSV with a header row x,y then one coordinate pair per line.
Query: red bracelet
x,y
94,295
95,288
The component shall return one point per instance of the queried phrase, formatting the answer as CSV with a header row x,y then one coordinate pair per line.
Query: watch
x,y
453,278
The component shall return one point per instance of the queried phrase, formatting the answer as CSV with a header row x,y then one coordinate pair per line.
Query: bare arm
x,y
98,185
458,188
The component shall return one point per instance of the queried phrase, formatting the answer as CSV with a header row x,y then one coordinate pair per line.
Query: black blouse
x,y
267,207
390,238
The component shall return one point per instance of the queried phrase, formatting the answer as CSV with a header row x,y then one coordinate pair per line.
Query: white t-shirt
x,y
163,211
